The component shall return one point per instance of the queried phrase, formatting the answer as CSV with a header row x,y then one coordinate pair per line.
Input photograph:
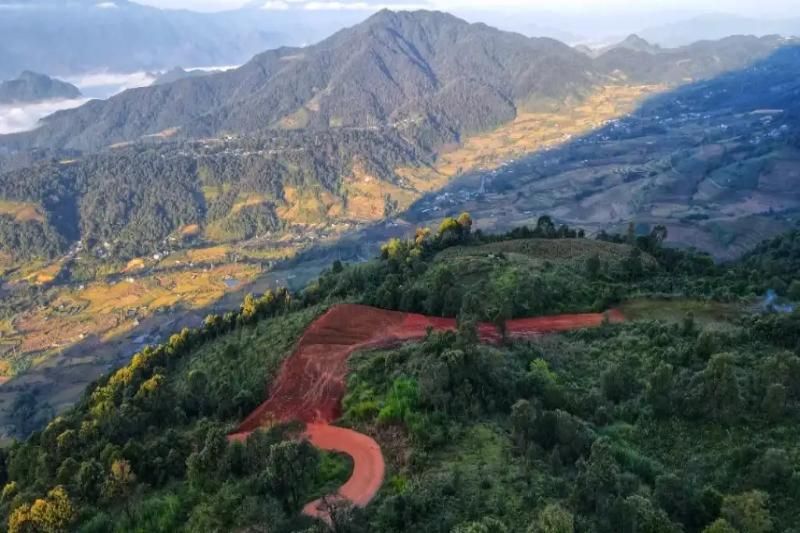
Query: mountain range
x,y
349,129
420,71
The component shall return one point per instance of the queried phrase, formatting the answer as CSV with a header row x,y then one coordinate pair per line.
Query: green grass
x,y
568,252
705,312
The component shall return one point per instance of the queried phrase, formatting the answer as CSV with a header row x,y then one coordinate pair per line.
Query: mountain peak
x,y
34,87
637,44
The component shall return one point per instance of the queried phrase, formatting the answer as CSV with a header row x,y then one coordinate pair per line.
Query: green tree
x,y
748,512
89,480
593,266
553,519
774,404
720,525
597,484
722,393
290,470
659,390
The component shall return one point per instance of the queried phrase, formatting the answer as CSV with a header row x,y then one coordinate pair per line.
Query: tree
x,y
659,390
89,480
794,290
290,470
774,404
748,512
120,483
637,514
720,525
553,519
53,514
597,483
249,308
593,266
484,525
774,469
722,395
523,416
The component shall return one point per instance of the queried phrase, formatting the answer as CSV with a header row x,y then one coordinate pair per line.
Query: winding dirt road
x,y
311,382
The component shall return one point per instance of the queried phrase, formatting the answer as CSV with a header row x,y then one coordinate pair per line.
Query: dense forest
x,y
677,424
134,198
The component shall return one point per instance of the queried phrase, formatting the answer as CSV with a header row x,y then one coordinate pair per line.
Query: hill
x,y
31,87
673,423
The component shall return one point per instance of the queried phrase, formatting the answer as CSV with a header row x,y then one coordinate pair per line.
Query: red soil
x,y
311,383
368,466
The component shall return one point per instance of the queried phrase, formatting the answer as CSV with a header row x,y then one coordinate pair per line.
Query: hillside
x,y
671,423
32,87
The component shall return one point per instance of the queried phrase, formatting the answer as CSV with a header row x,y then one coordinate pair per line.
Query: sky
x,y
768,8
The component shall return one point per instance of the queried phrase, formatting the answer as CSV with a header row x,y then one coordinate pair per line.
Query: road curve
x,y
368,466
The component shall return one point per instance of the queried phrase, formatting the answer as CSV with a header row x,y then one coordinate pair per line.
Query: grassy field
x,y
570,252
705,313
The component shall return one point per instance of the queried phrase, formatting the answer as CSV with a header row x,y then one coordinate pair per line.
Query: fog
x,y
23,117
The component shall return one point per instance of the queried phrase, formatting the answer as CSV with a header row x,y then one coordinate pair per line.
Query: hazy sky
x,y
773,8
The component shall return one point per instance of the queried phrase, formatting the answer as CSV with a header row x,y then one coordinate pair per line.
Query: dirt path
x,y
368,466
311,382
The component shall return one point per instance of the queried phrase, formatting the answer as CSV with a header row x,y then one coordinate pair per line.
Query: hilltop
x,y
673,423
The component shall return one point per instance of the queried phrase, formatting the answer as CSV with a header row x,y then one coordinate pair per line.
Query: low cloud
x,y
24,117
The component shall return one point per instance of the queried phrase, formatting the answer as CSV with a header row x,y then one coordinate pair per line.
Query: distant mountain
x,y
178,73
79,36
427,73
421,71
32,87
633,43
638,60
718,26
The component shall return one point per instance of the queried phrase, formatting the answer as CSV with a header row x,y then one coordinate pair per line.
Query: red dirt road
x,y
368,465
311,382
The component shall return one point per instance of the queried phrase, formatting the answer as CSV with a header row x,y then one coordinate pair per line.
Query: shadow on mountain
x,y
717,161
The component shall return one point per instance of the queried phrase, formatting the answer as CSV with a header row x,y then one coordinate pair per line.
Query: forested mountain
x,y
681,419
420,71
426,69
33,87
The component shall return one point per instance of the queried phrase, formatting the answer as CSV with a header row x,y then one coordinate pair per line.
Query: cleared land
x,y
311,382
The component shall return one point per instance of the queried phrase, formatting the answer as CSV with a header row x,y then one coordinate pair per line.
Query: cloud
x,y
106,5
104,84
24,117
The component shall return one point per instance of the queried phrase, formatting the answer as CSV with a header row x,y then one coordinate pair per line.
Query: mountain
x,y
633,43
718,26
73,37
427,72
346,131
31,87
638,60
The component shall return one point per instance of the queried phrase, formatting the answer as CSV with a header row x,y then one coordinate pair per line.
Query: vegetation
x,y
652,425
